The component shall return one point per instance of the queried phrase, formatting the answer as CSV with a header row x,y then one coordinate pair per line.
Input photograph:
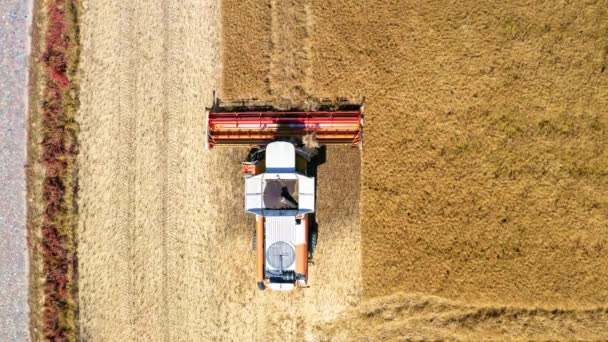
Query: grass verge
x,y
52,185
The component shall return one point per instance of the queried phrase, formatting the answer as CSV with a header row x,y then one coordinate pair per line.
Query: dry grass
x,y
35,175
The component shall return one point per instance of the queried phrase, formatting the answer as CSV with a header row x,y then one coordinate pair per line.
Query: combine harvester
x,y
280,169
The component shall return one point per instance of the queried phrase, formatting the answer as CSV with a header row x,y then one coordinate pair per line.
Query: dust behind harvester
x,y
280,170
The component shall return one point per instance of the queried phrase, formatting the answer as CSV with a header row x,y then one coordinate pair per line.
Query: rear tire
x,y
312,241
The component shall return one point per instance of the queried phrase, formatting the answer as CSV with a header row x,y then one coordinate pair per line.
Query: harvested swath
x,y
424,317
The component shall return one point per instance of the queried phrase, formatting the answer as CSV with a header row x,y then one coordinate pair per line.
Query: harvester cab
x,y
279,173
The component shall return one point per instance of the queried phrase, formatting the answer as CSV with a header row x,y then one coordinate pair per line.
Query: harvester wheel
x,y
312,241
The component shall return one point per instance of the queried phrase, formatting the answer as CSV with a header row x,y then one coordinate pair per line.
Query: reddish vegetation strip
x,y
58,152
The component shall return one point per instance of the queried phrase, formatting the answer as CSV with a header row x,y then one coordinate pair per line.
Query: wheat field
x,y
476,209
484,161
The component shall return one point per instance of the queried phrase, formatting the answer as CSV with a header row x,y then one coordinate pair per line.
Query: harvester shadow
x,y
317,160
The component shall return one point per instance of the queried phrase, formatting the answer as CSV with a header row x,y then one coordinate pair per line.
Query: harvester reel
x,y
254,122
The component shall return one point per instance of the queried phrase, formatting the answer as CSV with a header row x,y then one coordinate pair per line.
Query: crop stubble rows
x,y
128,162
164,243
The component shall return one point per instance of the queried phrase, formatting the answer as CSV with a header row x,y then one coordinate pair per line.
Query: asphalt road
x,y
15,18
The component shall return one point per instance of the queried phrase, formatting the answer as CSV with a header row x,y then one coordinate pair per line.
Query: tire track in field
x,y
149,225
172,230
167,152
105,161
123,223
125,178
